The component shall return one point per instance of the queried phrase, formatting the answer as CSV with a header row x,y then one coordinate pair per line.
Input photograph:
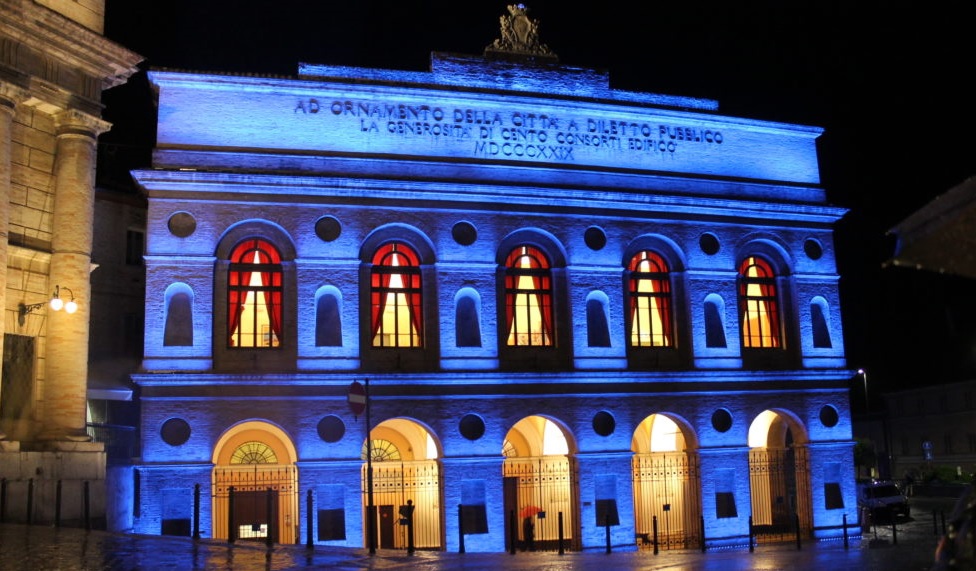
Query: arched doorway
x,y
540,482
779,477
667,484
255,484
406,472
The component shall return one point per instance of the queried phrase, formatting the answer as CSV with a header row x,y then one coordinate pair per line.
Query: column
x,y
9,96
66,352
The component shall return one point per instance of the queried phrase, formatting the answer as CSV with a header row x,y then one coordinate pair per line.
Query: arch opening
x,y
406,472
540,482
667,483
779,476
255,484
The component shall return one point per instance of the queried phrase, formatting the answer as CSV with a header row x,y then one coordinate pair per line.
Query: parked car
x,y
957,548
883,498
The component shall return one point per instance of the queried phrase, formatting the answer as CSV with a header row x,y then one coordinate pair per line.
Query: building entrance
x,y
541,481
255,485
667,485
406,472
779,478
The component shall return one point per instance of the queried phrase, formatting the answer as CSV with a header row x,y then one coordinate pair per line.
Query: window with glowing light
x,y
253,453
254,292
649,292
528,298
759,305
396,297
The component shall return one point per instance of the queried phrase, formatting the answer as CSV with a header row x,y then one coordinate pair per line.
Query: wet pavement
x,y
41,548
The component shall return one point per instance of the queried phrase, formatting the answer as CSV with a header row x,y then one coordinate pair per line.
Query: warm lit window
x,y
254,289
650,301
395,297
528,298
758,304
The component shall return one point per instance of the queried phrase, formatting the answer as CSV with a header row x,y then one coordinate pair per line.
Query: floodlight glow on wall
x,y
56,303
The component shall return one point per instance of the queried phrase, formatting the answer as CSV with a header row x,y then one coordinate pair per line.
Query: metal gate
x,y
544,487
255,515
779,483
667,486
394,483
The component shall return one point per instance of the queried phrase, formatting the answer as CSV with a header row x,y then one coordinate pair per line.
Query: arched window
x,y
528,298
254,290
651,323
396,297
759,305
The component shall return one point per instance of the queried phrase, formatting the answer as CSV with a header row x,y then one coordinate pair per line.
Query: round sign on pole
x,y
357,398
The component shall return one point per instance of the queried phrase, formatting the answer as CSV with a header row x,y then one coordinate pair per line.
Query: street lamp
x,y
56,303
864,374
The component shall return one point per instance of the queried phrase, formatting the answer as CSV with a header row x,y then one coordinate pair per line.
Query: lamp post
x,y
864,375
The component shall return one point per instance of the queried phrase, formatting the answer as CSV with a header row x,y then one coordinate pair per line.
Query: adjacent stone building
x,y
569,307
54,65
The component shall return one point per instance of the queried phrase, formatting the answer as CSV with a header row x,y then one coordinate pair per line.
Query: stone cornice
x,y
70,43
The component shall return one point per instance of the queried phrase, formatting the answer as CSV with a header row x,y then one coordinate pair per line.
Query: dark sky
x,y
888,84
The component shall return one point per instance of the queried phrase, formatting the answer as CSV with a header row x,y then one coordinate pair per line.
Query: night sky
x,y
889,86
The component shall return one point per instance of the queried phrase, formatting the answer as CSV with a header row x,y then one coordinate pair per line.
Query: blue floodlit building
x,y
573,306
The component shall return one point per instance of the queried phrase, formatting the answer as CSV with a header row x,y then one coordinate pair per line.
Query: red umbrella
x,y
529,511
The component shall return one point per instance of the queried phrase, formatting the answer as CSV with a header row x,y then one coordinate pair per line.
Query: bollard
x,y
561,550
654,527
460,528
942,513
752,545
231,530
87,506
608,532
846,544
935,524
894,531
57,505
308,519
796,524
702,528
512,535
269,506
30,501
196,512
410,545
3,501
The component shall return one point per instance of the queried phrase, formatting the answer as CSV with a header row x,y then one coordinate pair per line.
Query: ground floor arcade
x,y
538,487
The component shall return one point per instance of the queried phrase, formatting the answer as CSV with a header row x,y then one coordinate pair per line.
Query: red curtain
x,y
246,253
650,266
272,284
396,255
757,271
536,268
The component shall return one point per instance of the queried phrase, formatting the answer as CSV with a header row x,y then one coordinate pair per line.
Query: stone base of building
x,y
34,481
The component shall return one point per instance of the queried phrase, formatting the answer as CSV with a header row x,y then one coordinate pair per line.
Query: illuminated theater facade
x,y
570,303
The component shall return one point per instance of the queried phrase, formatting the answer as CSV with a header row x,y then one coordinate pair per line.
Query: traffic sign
x,y
357,398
